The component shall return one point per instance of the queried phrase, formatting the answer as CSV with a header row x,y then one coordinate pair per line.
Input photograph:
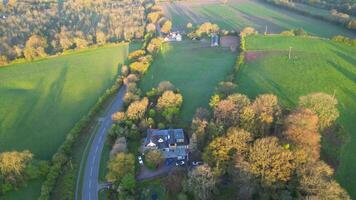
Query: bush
x,y
161,125
153,158
287,33
136,54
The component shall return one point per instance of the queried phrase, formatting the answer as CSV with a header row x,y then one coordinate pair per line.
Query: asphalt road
x,y
91,184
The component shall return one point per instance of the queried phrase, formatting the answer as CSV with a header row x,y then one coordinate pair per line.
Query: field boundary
x,y
64,53
315,16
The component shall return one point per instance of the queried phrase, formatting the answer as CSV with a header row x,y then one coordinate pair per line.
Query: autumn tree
x,y
323,105
207,28
169,99
316,182
189,25
228,111
267,111
118,116
154,158
248,31
153,17
214,100
169,104
35,47
119,166
301,128
137,109
15,169
225,88
136,54
100,37
225,112
154,45
270,162
248,119
198,128
165,86
166,28
221,151
14,163
201,182
151,28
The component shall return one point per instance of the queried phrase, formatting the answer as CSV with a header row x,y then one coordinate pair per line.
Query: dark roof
x,y
162,138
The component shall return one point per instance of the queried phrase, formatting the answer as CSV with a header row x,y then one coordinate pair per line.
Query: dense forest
x,y
37,28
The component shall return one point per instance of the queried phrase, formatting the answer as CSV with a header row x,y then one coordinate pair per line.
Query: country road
x,y
90,186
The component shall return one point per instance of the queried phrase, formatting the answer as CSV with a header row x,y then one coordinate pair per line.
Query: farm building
x,y
214,40
173,36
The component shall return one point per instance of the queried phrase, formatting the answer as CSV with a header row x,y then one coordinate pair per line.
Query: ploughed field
x,y
237,14
194,68
41,101
316,65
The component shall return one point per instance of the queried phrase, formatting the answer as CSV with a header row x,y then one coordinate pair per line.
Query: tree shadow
x,y
348,74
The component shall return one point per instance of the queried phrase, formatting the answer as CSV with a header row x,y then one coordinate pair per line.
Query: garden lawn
x,y
194,68
41,101
315,66
238,14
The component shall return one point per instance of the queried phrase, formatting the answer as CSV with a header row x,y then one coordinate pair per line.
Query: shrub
x,y
153,158
287,33
136,54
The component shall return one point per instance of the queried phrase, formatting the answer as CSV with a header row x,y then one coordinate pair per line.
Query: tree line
x,y
338,15
40,28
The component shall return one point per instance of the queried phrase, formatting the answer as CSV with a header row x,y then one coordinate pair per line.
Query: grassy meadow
x,y
315,66
194,68
42,100
237,14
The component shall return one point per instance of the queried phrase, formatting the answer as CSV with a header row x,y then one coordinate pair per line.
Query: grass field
x,y
193,68
316,65
41,101
237,14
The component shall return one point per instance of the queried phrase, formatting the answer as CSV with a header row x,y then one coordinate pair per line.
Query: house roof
x,y
163,138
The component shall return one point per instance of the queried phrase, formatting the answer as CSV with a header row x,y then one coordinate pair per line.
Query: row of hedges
x,y
63,154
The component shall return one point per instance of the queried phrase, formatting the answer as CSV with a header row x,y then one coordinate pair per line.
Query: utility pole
x,y
266,30
290,51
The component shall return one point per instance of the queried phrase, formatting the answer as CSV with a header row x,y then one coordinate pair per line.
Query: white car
x,y
196,163
180,163
140,160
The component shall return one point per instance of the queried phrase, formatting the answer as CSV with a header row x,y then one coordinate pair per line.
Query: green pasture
x,y
238,14
315,66
194,68
41,101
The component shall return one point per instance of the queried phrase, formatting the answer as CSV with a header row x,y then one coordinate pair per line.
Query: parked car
x,y
180,163
196,163
140,160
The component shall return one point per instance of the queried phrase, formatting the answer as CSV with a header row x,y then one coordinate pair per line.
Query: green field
x,y
194,68
41,101
237,14
315,65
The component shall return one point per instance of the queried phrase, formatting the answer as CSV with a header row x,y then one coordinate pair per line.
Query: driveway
x,y
163,170
91,185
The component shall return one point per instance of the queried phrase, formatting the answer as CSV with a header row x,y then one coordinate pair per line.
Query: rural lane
x,y
90,186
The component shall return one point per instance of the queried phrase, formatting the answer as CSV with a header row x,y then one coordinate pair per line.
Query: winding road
x,y
91,186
